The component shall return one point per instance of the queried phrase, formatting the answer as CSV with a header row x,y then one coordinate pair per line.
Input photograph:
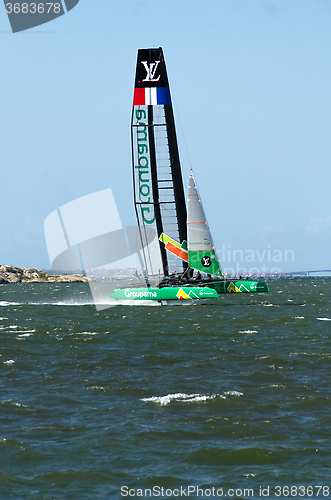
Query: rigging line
x,y
181,129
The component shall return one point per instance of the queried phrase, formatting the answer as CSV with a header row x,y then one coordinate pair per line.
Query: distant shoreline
x,y
12,274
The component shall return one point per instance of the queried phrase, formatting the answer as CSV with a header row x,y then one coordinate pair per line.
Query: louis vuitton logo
x,y
150,71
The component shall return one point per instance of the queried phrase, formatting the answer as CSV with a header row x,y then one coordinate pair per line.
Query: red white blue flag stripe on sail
x,y
151,96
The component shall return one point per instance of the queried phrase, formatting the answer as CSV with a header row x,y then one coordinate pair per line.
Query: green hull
x,y
165,293
211,290
241,286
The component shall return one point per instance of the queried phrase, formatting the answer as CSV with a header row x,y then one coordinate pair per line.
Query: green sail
x,y
201,251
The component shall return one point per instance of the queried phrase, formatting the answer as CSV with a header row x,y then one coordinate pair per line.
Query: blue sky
x,y
250,82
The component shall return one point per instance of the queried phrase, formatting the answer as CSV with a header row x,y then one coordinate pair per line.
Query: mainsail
x,y
201,251
158,187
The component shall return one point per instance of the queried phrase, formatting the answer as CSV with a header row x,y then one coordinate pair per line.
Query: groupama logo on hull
x,y
26,14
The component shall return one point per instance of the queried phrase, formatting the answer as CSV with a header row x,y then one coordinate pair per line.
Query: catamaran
x,y
175,238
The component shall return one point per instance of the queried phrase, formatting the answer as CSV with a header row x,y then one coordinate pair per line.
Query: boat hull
x,y
165,293
240,286
211,290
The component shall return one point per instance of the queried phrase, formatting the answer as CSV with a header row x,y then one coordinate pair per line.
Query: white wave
x,y
23,335
4,401
9,362
164,400
248,331
5,303
202,398
234,393
85,333
3,318
108,303
126,302
299,317
62,303
324,319
179,396
148,303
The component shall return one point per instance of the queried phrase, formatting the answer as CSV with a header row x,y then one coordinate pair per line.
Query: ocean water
x,y
223,398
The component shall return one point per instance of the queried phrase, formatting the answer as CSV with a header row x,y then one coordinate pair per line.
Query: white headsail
x,y
201,251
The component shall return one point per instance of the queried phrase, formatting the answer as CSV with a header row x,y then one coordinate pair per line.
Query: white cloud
x,y
319,224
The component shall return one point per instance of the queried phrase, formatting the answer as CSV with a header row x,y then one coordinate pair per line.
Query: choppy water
x,y
232,393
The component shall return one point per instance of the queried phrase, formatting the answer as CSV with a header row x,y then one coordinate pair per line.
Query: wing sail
x,y
158,187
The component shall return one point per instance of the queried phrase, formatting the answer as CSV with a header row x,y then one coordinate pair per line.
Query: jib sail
x,y
201,251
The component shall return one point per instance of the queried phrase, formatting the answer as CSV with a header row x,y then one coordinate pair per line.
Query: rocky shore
x,y
12,274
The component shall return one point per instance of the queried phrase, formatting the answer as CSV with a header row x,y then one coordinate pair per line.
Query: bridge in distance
x,y
306,273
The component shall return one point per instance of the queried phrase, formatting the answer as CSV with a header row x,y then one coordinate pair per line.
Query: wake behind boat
x,y
175,238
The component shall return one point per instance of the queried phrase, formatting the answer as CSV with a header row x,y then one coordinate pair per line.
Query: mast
x,y
176,174
158,186
158,217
